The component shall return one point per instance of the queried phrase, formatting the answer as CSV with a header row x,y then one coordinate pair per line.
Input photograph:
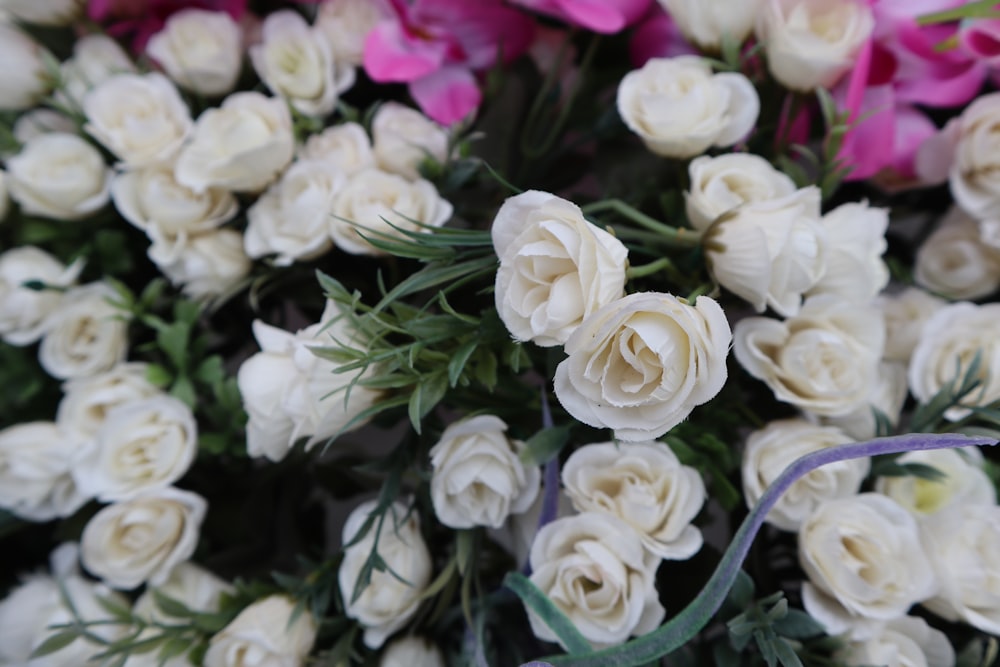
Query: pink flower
x,y
436,45
605,16
981,39
657,36
141,19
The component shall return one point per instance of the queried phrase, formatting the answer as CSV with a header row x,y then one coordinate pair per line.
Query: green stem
x,y
644,270
678,236
981,9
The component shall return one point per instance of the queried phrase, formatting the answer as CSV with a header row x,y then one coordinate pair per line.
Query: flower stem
x,y
678,236
647,269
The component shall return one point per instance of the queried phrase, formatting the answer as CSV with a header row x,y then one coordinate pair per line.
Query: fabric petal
x,y
393,56
448,95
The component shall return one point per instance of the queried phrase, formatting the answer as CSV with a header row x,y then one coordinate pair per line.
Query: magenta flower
x,y
980,38
604,16
657,36
141,19
435,46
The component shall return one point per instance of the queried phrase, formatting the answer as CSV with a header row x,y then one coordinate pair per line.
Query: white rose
x,y
644,486
707,22
87,401
169,213
297,63
140,118
907,641
374,202
477,478
963,550
193,586
640,365
955,263
964,483
86,335
36,461
769,252
96,58
720,184
864,561
680,109
264,635
949,341
143,539
242,145
59,176
207,265
905,314
888,397
404,138
824,360
345,146
262,380
41,121
346,24
411,652
813,43
556,269
292,219
37,603
25,312
597,572
141,446
855,241
200,50
390,599
24,80
974,140
770,450
50,13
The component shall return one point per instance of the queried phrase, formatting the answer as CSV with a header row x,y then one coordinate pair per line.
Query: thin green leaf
x,y
547,611
543,446
55,642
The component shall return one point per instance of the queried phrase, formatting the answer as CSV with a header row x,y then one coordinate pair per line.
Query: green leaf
x,y
183,389
427,394
158,376
170,606
545,445
797,624
741,594
486,369
172,648
458,360
173,341
785,653
465,540
546,610
55,642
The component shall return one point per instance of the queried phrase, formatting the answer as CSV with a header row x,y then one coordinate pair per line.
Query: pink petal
x,y
981,39
913,127
605,17
392,55
869,145
448,95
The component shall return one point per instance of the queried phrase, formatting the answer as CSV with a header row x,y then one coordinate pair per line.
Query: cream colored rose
x,y
905,314
87,401
641,364
374,202
963,550
86,335
770,450
964,483
140,118
949,341
59,176
36,462
720,184
292,219
707,22
974,140
41,121
597,572
556,269
207,265
297,63
813,43
96,58
855,242
264,635
25,313
644,486
201,50
346,24
865,562
30,610
24,80
770,252
477,478
824,360
390,600
143,539
50,13
680,109
888,397
142,445
242,145
411,652
955,263
345,146
193,586
262,379
404,138
907,641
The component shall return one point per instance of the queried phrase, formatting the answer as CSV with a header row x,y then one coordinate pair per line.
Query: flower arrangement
x,y
626,332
